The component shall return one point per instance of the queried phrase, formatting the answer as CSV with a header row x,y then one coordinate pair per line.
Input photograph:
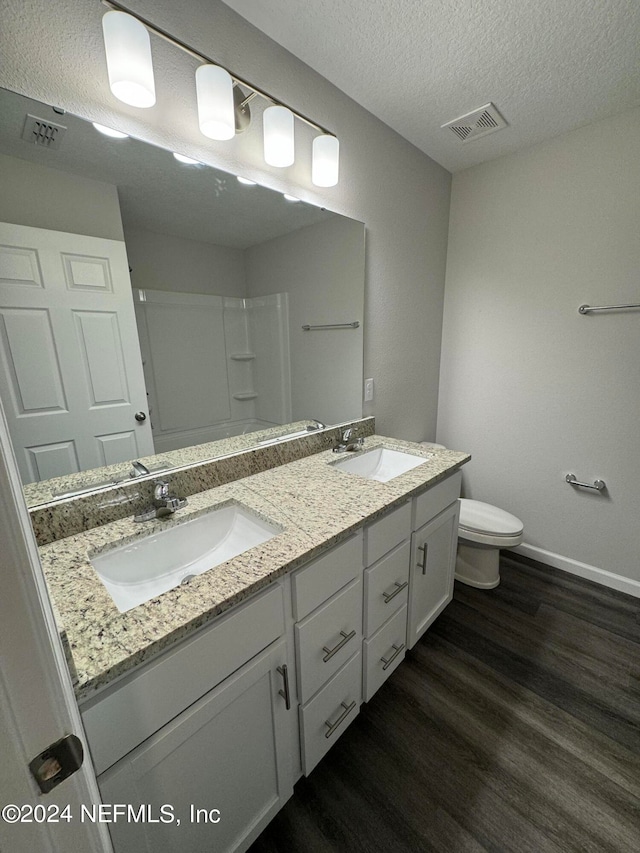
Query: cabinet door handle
x,y
388,661
389,596
331,727
286,695
329,653
423,565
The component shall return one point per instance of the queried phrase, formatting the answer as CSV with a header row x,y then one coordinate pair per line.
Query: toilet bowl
x,y
483,530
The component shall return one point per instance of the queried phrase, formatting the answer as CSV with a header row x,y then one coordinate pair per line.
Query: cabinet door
x,y
228,755
433,557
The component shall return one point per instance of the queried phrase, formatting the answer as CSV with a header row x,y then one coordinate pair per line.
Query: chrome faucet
x,y
139,469
344,445
164,504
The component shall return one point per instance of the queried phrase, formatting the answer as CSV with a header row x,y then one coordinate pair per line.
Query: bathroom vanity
x,y
219,694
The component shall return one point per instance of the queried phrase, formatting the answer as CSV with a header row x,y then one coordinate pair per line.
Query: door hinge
x,y
57,762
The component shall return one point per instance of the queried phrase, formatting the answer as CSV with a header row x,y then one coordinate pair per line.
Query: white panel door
x,y
71,377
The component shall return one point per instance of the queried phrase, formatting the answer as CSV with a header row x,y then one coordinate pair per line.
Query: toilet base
x,y
477,566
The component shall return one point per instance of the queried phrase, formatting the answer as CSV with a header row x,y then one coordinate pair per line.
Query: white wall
x,y
533,389
49,198
163,262
321,267
399,193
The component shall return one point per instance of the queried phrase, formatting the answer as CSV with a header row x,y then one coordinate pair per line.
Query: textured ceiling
x,y
155,191
548,65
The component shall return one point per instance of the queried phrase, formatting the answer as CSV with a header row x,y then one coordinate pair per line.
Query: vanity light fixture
x,y
223,106
325,160
246,181
109,131
279,145
216,110
128,50
189,161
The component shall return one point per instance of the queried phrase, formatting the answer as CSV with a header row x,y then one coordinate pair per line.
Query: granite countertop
x,y
314,504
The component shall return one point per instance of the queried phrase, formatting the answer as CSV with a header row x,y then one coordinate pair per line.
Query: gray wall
x,y
533,389
401,195
321,267
163,262
48,198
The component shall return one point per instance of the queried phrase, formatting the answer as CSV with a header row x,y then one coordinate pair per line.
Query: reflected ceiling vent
x,y
478,123
43,133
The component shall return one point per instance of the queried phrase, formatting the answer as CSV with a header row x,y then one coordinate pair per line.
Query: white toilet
x,y
483,530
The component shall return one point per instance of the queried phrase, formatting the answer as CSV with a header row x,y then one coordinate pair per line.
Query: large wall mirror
x,y
149,305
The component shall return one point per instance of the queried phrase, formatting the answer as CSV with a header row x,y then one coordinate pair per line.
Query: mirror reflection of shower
x,y
214,366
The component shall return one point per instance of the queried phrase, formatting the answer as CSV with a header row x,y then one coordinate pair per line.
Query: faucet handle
x,y
161,490
346,435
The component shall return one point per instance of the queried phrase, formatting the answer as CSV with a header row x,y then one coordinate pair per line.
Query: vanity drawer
x,y
386,587
327,715
437,498
384,652
327,638
122,717
318,581
385,534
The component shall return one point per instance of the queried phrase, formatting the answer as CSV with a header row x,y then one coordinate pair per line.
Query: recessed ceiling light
x,y
109,131
181,158
246,182
290,197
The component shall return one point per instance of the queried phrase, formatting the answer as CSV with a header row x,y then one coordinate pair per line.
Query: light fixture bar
x,y
201,57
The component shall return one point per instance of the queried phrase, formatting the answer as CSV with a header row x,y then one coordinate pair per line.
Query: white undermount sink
x,y
380,463
148,566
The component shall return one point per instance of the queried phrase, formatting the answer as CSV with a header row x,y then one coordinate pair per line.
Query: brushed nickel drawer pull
x,y
286,695
331,727
423,565
329,653
388,661
389,596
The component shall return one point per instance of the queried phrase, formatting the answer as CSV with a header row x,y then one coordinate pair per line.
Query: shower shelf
x,y
242,356
245,395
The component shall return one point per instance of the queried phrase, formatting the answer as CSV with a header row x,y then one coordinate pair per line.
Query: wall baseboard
x,y
583,570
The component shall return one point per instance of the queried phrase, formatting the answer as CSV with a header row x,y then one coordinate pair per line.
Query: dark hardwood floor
x,y
513,725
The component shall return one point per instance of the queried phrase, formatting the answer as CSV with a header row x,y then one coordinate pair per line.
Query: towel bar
x,y
598,485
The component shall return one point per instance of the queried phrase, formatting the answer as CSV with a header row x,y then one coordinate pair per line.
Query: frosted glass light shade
x,y
325,161
214,90
279,147
128,51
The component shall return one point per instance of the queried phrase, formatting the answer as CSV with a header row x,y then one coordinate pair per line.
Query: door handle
x,y
329,653
331,727
140,417
389,596
423,565
286,695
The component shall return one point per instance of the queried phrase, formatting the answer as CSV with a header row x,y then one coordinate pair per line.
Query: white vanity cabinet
x,y
222,766
433,555
327,606
231,751
218,728
386,584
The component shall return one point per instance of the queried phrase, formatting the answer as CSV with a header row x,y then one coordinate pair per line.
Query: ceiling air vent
x,y
45,134
478,123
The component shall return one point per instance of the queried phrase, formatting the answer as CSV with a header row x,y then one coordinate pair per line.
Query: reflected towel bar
x,y
587,309
353,325
598,485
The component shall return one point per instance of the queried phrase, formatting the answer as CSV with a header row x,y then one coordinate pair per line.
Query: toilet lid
x,y
479,517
